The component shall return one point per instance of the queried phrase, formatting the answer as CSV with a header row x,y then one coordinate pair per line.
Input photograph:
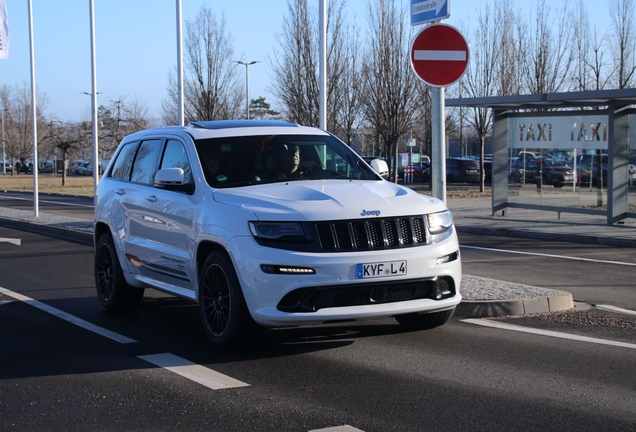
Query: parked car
x,y
269,224
587,167
84,168
462,170
458,170
542,172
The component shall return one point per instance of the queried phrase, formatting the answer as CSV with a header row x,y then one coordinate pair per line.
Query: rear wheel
x,y
224,314
416,321
113,291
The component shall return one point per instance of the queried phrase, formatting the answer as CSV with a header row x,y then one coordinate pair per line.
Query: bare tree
x,y
212,84
119,118
483,76
548,54
295,66
623,42
390,86
294,70
423,128
18,120
65,137
589,68
348,112
510,81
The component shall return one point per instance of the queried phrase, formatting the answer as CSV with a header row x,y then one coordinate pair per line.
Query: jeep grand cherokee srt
x,y
269,224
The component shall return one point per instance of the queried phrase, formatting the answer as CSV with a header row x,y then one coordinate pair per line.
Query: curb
x,y
521,306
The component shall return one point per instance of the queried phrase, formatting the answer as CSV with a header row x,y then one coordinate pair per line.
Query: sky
x,y
136,45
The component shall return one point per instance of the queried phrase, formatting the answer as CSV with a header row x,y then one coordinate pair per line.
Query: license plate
x,y
472,171
380,269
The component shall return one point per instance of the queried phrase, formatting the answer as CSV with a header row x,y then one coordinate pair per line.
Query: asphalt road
x,y
60,373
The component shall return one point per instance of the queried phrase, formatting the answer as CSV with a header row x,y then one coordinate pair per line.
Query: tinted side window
x,y
470,165
146,162
175,157
123,164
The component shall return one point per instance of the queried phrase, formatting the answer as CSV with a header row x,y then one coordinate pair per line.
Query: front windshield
x,y
240,161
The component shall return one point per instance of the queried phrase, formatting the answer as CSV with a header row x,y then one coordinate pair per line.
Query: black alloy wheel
x,y
114,293
224,314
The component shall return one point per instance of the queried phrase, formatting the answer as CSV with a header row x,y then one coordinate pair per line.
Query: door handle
x,y
120,191
151,198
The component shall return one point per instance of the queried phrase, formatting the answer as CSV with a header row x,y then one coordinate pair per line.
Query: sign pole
x,y
438,157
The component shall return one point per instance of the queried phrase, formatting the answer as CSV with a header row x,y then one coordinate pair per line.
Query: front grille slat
x,y
377,233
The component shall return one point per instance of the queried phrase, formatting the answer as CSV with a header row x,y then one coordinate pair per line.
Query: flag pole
x,y
34,125
181,114
94,100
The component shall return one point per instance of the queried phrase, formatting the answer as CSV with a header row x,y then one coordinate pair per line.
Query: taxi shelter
x,y
566,152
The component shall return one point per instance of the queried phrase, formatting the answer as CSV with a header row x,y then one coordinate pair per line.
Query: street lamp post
x,y
247,86
4,156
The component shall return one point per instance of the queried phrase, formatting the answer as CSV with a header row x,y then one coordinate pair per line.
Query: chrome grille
x,y
377,233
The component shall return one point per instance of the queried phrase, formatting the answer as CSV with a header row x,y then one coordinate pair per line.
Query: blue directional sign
x,y
424,11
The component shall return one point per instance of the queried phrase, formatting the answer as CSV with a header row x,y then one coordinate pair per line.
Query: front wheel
x,y
113,291
415,321
224,314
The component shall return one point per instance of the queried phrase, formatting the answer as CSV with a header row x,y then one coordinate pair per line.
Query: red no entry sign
x,y
439,55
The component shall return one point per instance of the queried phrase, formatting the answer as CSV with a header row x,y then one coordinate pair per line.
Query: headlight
x,y
439,222
277,230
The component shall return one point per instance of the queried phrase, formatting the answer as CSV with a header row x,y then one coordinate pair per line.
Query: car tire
x,y
114,293
415,321
222,308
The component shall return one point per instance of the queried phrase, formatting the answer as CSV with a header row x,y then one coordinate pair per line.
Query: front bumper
x,y
335,293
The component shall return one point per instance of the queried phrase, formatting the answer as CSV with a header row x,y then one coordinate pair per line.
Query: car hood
x,y
328,200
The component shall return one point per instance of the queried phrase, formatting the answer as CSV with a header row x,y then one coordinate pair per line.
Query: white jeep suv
x,y
269,224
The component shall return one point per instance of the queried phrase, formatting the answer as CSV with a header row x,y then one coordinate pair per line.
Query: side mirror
x,y
173,179
381,167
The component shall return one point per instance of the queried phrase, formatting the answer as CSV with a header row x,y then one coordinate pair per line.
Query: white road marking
x,y
345,428
615,309
68,317
550,333
48,202
192,371
16,242
439,55
550,256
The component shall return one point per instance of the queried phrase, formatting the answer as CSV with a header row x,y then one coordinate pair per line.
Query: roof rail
x,y
229,124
